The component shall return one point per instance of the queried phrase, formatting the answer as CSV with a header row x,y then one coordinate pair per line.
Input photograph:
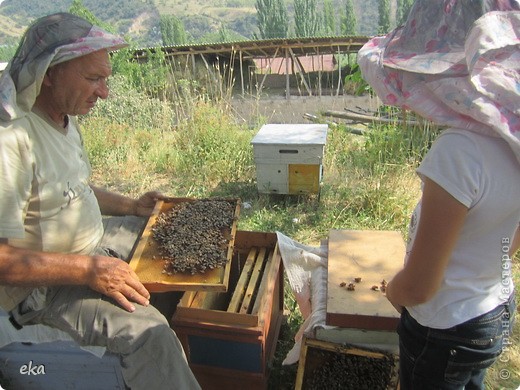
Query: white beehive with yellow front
x,y
289,158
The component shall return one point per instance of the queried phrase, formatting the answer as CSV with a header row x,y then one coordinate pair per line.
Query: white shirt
x,y
46,203
483,174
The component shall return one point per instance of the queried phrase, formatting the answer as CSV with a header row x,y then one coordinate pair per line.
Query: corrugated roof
x,y
267,47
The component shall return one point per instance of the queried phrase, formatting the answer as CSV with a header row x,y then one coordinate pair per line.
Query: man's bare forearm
x,y
111,203
23,267
109,276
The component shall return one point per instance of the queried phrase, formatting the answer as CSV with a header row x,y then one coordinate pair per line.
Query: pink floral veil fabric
x,y
454,62
48,41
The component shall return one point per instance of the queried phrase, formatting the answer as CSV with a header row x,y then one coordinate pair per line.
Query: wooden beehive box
x,y
330,365
230,337
289,158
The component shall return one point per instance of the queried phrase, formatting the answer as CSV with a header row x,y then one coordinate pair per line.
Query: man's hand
x,y
116,279
146,202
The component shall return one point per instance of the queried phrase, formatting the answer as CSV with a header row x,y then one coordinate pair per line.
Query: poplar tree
x,y
329,17
384,16
349,24
172,30
403,8
272,18
223,34
306,18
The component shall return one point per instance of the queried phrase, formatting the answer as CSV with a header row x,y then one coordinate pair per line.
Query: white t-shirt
x,y
46,203
482,173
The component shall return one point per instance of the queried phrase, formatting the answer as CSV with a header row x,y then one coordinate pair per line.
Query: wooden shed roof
x,y
267,47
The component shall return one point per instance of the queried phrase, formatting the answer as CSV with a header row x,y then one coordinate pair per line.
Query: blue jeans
x,y
454,358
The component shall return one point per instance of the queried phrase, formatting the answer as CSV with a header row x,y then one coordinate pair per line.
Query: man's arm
x,y
112,203
109,276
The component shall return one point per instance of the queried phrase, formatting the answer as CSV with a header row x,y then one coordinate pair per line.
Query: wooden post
x,y
339,72
287,76
241,59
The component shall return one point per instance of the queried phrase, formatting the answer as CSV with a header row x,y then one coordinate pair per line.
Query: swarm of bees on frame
x,y
347,371
193,236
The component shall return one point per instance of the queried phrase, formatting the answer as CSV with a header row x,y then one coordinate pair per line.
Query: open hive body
x,y
361,321
230,337
326,365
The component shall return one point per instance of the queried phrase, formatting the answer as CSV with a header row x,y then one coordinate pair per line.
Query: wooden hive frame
x,y
147,263
309,361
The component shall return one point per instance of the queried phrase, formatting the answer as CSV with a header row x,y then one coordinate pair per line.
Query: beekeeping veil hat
x,y
455,62
50,40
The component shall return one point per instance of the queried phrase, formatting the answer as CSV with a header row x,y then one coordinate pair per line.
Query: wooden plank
x,y
301,368
373,256
199,299
381,340
187,298
241,286
231,246
252,286
304,178
245,240
193,317
288,154
368,118
263,284
272,178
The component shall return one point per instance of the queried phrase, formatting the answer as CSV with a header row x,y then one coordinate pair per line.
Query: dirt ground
x,y
278,109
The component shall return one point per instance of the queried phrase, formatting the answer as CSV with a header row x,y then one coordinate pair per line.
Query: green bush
x,y
214,146
128,105
149,75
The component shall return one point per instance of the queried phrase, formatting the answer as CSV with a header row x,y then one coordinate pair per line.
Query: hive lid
x,y
373,256
148,263
308,134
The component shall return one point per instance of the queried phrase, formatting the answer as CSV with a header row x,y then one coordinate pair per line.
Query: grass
x,y
138,143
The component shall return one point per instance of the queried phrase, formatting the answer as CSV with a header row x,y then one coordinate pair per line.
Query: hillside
x,y
139,19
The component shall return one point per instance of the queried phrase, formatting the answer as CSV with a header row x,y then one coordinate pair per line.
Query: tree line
x,y
311,19
306,18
